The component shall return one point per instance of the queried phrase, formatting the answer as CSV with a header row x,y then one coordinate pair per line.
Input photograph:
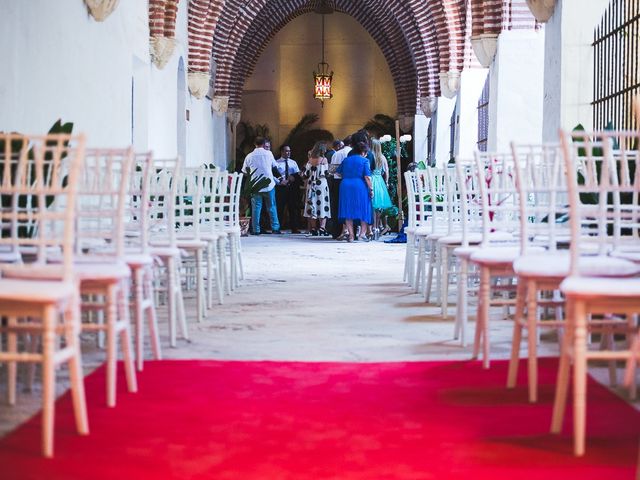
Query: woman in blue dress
x,y
355,190
380,183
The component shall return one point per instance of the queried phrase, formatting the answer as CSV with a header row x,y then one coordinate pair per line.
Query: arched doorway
x,y
279,91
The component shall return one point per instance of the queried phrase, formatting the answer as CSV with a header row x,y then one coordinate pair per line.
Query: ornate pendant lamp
x,y
322,79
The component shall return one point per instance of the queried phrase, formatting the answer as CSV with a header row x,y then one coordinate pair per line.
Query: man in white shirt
x,y
260,163
288,189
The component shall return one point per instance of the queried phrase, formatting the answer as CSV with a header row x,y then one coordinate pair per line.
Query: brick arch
x,y
237,59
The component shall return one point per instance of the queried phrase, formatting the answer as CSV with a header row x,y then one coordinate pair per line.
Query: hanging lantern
x,y
323,78
322,82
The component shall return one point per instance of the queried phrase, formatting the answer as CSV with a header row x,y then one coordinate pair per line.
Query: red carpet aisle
x,y
272,420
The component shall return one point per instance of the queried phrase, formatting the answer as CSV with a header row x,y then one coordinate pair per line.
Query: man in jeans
x,y
260,163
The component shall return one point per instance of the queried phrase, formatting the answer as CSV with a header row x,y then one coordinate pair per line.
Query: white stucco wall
x,y
58,62
516,96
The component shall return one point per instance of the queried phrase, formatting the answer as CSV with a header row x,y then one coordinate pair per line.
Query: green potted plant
x,y
251,185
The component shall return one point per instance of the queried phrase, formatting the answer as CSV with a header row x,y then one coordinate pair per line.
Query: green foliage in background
x,y
27,230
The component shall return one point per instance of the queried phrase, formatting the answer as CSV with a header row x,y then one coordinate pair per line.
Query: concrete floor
x,y
309,299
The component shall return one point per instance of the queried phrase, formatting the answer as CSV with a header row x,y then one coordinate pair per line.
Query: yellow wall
x,y
280,90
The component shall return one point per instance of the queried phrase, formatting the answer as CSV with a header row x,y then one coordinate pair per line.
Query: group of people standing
x,y
346,185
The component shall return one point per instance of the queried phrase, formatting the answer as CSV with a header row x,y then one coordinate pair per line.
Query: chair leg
x,y
427,271
632,362
112,354
233,262
75,371
562,382
225,271
482,324
407,258
532,338
172,305
199,286
12,366
579,379
419,266
125,338
151,314
219,277
444,290
236,238
48,380
512,376
462,311
138,279
210,256
179,301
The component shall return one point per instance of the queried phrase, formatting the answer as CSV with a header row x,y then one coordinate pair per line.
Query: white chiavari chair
x,y
38,186
499,247
163,190
410,180
436,196
230,224
604,216
99,263
543,205
470,205
188,210
227,216
138,256
212,234
456,236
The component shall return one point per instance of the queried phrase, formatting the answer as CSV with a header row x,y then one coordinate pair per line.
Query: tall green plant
x,y
26,230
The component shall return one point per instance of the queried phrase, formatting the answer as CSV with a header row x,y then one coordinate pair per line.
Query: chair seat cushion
x,y
557,265
212,236
35,291
496,255
465,252
166,251
591,287
631,255
190,244
138,259
456,239
89,272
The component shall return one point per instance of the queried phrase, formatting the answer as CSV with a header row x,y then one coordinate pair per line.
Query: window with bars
x,y
616,45
430,156
453,130
483,117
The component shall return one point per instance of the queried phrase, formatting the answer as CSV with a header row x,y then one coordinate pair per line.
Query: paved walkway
x,y
308,299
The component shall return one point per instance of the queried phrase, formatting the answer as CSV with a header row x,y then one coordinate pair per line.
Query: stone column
x,y
516,89
568,69
471,86
440,129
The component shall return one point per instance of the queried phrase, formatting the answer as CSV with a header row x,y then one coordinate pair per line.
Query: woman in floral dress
x,y
317,207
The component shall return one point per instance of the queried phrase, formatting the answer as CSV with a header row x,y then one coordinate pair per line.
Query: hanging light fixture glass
x,y
322,79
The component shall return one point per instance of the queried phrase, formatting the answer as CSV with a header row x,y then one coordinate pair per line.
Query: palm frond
x,y
302,126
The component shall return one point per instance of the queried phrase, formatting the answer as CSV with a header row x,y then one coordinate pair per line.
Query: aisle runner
x,y
280,420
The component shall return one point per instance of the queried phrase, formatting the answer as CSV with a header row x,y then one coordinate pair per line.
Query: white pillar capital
x,y
101,9
220,104
542,9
